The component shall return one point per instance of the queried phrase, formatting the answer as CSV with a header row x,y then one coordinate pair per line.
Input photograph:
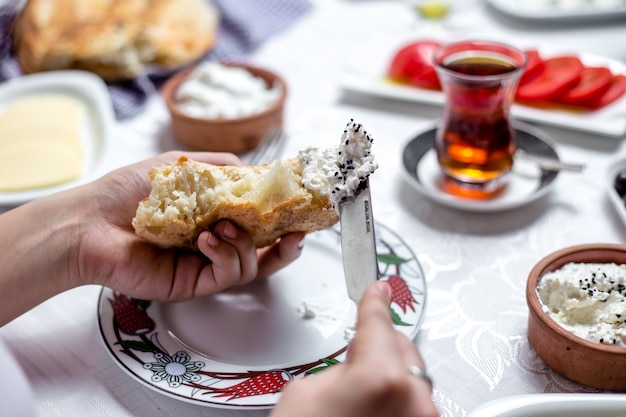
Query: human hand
x,y
112,255
374,380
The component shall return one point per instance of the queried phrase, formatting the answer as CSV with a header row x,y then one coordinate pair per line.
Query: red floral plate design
x,y
238,348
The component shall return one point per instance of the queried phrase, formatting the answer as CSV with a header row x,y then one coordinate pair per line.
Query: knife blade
x,y
358,242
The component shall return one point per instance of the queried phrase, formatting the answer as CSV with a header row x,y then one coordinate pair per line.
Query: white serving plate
x,y
561,10
555,405
96,127
364,73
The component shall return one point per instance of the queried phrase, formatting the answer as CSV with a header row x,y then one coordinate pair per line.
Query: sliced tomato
x,y
616,90
534,66
559,73
412,64
594,81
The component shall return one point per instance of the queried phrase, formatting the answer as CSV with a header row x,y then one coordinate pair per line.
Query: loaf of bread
x,y
116,39
267,201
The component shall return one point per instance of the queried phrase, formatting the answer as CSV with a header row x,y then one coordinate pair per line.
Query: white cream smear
x,y
588,299
216,91
337,172
325,314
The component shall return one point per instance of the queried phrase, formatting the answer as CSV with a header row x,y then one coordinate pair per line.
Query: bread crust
x,y
115,39
267,201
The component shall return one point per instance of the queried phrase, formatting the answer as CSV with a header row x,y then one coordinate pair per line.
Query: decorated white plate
x,y
365,73
238,348
95,130
555,405
527,181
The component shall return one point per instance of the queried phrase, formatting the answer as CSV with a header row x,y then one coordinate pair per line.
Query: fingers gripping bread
x,y
268,201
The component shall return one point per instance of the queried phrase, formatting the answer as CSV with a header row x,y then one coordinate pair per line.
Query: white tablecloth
x,y
473,336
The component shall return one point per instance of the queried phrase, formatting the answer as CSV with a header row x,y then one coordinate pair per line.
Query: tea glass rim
x,y
518,57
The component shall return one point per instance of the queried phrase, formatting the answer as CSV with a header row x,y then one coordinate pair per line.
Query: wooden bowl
x,y
225,135
590,363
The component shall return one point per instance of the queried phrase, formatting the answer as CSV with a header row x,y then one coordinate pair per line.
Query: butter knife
x,y
358,243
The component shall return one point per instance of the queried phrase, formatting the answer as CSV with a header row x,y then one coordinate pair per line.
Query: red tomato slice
x,y
594,81
534,66
412,64
616,90
559,73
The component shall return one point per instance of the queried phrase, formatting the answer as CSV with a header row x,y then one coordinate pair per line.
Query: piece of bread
x,y
116,39
267,201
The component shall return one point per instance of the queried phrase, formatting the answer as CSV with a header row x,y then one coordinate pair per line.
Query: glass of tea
x,y
475,140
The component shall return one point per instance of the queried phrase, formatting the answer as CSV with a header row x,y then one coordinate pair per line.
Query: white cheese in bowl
x,y
338,171
217,91
587,299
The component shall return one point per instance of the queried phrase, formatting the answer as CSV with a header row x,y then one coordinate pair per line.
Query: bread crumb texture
x,y
267,201
116,39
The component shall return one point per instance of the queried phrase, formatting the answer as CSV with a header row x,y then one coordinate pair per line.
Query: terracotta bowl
x,y
225,135
590,363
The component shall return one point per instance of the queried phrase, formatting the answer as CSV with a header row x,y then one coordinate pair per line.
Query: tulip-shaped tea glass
x,y
475,140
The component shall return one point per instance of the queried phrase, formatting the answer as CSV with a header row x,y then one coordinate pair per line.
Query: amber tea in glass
x,y
475,140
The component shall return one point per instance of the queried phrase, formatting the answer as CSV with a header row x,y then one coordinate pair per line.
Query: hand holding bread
x,y
268,201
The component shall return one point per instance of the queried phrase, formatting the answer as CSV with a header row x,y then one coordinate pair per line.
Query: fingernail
x,y
384,288
300,244
230,231
212,240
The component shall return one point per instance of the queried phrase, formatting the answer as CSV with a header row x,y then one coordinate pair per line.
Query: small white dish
x,y
547,11
618,201
527,181
366,69
96,129
554,405
206,351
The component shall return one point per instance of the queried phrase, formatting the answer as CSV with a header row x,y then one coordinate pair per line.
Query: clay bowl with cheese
x,y
580,358
201,128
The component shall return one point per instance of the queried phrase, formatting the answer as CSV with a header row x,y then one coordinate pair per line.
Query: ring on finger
x,y
420,372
